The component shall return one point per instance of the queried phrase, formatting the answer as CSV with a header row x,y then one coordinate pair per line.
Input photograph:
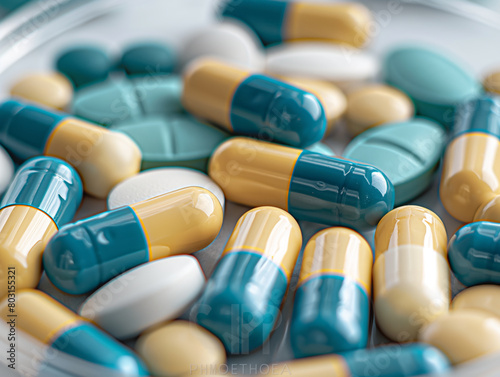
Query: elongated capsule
x,y
45,193
83,255
279,21
53,324
102,158
385,361
471,165
310,186
485,298
332,302
241,302
253,105
411,278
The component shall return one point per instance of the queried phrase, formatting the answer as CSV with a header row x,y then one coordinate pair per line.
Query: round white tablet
x,y
341,65
154,182
145,296
230,41
6,170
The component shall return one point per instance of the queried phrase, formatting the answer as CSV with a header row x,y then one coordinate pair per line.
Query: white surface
x,y
145,296
154,182
6,170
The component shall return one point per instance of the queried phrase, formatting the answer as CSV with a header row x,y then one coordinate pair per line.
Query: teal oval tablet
x,y
148,58
178,140
435,83
408,153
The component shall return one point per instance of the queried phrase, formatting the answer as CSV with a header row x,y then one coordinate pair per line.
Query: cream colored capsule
x,y
181,349
411,278
489,211
377,104
491,82
482,297
48,89
464,334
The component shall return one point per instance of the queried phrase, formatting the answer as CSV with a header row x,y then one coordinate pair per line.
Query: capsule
x,y
310,186
332,302
411,278
280,21
241,302
485,298
83,255
253,105
102,158
48,321
45,193
385,361
471,165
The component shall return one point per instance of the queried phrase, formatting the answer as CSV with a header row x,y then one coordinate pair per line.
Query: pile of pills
x,y
237,115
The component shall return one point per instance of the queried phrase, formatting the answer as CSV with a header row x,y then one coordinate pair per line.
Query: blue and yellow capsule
x,y
83,255
103,158
280,21
44,194
385,361
48,321
311,186
241,302
471,164
331,311
253,105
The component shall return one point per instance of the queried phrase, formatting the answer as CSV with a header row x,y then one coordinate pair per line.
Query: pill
x,y
45,193
288,21
483,297
48,89
242,299
489,211
435,82
48,321
145,296
6,170
312,187
85,254
373,105
331,97
331,310
491,83
179,140
471,165
463,335
473,252
229,41
251,104
321,148
181,348
148,58
411,278
340,65
154,182
101,157
84,65
408,152
385,361
117,101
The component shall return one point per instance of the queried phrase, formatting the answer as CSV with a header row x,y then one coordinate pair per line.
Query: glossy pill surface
x,y
289,21
253,105
483,297
181,348
242,300
49,89
491,82
90,252
411,278
6,170
332,300
145,296
408,153
374,105
310,186
148,58
53,324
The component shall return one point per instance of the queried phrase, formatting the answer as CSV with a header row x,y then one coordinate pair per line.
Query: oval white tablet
x,y
230,41
341,65
6,170
145,296
154,182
